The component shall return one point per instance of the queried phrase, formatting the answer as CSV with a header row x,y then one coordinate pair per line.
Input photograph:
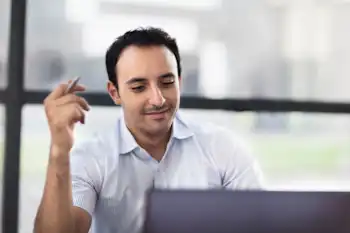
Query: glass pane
x,y
296,151
66,40
286,49
4,38
2,138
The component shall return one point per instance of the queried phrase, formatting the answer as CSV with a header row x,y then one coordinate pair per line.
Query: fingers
x,y
78,114
71,98
64,109
67,115
61,90
78,88
57,92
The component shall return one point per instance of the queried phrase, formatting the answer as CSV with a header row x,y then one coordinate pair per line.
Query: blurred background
x,y
274,49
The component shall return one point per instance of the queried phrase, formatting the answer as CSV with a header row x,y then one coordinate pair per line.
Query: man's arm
x,y
243,176
56,213
238,167
242,169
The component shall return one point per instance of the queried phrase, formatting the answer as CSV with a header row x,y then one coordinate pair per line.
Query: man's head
x,y
144,71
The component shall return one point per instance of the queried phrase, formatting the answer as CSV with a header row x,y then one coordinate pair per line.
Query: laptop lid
x,y
222,211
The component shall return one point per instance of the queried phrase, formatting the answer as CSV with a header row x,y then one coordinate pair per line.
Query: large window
x,y
271,49
4,38
295,49
2,120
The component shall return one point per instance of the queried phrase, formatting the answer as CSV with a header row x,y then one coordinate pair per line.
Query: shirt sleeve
x,y
243,171
86,178
238,166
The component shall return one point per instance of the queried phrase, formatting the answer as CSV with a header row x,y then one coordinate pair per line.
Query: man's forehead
x,y
145,61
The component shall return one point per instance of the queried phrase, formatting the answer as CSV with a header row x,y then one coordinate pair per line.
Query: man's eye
x,y
168,82
138,88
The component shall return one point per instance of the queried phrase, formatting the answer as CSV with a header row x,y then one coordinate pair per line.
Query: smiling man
x,y
101,183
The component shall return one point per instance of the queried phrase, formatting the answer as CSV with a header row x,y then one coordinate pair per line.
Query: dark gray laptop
x,y
220,211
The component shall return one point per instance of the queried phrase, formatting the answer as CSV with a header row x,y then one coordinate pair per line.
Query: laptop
x,y
222,211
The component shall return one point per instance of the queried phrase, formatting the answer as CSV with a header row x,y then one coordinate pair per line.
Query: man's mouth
x,y
157,112
158,115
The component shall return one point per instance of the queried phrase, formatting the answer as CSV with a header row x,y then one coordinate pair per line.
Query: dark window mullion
x,y
13,111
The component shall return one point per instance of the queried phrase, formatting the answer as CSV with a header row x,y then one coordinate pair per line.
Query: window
x,y
281,52
73,42
2,138
231,49
4,37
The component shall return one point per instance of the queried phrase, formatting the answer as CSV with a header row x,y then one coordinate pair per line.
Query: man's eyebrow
x,y
167,75
140,79
135,80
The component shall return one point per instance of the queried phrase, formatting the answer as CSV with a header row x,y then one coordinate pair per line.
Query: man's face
x,y
148,88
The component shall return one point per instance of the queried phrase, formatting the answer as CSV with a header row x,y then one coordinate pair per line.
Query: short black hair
x,y
149,36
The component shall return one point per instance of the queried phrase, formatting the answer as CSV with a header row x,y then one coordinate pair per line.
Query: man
x,y
102,182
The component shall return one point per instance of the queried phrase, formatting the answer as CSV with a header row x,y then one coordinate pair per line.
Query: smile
x,y
156,113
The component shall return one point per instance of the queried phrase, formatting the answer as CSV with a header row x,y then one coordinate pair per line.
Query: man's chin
x,y
159,125
154,131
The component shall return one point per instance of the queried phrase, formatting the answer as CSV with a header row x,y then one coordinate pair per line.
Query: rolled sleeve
x,y
86,178
243,171
83,194
238,166
246,177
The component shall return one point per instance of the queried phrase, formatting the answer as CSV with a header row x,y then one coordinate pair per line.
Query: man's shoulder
x,y
206,130
217,138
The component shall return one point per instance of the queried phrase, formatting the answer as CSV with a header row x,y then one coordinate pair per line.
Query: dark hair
x,y
140,37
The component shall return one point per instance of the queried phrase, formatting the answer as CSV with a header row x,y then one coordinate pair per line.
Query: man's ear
x,y
113,93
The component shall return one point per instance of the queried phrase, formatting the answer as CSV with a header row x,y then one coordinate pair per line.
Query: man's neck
x,y
155,145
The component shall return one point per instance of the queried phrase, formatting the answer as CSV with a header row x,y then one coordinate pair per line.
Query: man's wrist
x,y
59,155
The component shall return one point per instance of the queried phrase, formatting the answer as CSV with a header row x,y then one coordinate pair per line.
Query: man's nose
x,y
156,98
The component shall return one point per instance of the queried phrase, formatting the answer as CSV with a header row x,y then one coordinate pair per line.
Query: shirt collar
x,y
180,131
127,142
180,128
